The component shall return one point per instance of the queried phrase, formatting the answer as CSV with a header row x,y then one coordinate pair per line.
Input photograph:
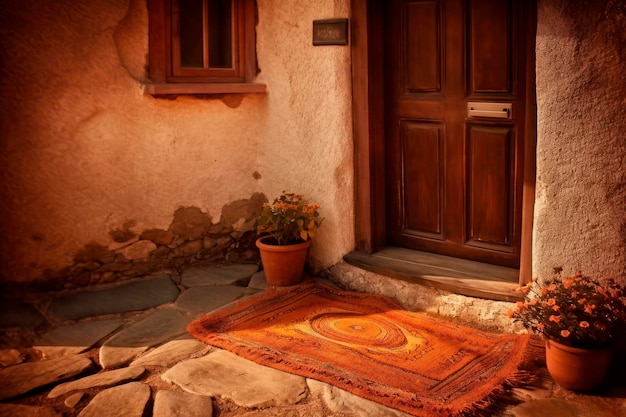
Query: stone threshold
x,y
458,276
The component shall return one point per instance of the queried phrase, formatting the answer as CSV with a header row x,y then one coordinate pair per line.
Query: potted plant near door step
x,y
287,227
580,319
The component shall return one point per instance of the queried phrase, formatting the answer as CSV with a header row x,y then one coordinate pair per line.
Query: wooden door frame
x,y
369,130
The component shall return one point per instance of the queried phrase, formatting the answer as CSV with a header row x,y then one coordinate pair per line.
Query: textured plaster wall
x,y
83,151
307,144
580,209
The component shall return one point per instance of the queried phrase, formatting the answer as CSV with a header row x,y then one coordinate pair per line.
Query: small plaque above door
x,y
330,32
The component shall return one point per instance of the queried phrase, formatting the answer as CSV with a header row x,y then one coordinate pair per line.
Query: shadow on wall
x,y
191,239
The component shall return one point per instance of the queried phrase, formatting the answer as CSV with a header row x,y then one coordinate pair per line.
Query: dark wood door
x,y
454,103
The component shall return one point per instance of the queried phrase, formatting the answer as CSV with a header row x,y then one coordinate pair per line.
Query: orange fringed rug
x,y
368,345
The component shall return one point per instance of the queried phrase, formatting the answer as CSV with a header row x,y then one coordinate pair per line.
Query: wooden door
x,y
454,127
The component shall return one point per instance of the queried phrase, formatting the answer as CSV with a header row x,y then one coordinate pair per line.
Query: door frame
x,y
369,130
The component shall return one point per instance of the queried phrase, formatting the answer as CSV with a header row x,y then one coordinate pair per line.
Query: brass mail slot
x,y
491,110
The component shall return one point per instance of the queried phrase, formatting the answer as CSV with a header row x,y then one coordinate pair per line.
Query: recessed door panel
x,y
422,165
422,46
489,191
490,48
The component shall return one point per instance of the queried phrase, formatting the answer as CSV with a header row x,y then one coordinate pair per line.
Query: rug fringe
x,y
531,374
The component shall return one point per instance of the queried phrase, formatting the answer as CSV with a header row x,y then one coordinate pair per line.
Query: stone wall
x,y
192,238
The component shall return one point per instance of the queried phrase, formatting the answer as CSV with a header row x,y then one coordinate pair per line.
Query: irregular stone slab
x,y
258,281
309,409
19,314
102,379
76,338
126,345
72,400
171,352
212,275
138,295
200,300
9,357
340,401
176,404
248,384
139,251
27,376
556,407
16,410
127,400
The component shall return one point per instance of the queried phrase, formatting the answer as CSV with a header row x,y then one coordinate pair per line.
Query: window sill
x,y
159,89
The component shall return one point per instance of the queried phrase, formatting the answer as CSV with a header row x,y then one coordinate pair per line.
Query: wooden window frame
x,y
239,80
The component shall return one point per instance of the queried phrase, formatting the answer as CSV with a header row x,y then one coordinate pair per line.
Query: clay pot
x,y
283,264
577,369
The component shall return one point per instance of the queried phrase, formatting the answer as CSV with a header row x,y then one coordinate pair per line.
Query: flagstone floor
x,y
122,350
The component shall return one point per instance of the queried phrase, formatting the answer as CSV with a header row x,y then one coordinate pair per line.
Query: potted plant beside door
x,y
580,319
287,227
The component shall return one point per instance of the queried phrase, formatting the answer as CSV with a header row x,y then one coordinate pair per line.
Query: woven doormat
x,y
369,346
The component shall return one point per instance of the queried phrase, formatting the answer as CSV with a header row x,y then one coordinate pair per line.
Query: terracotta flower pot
x,y
283,264
577,369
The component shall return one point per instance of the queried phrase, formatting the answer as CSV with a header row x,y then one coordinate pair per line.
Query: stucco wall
x,y
306,146
580,211
84,152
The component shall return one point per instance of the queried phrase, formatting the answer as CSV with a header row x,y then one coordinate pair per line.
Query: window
x,y
202,47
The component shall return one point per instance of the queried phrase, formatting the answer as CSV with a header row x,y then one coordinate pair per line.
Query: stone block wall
x,y
192,238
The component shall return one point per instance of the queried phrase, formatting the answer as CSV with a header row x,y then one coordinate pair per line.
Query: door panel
x,y
422,157
489,186
423,47
490,48
454,181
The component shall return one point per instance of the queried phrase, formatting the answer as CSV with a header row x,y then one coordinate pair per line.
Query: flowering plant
x,y
289,219
576,311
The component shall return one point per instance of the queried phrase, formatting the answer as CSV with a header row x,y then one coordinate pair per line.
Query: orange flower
x,y
510,314
568,283
555,319
551,301
582,301
589,308
541,327
584,324
551,287
565,333
556,308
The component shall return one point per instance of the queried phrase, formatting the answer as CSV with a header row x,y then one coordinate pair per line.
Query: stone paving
x,y
122,350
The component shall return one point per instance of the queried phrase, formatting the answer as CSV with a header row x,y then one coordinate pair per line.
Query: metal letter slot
x,y
491,110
